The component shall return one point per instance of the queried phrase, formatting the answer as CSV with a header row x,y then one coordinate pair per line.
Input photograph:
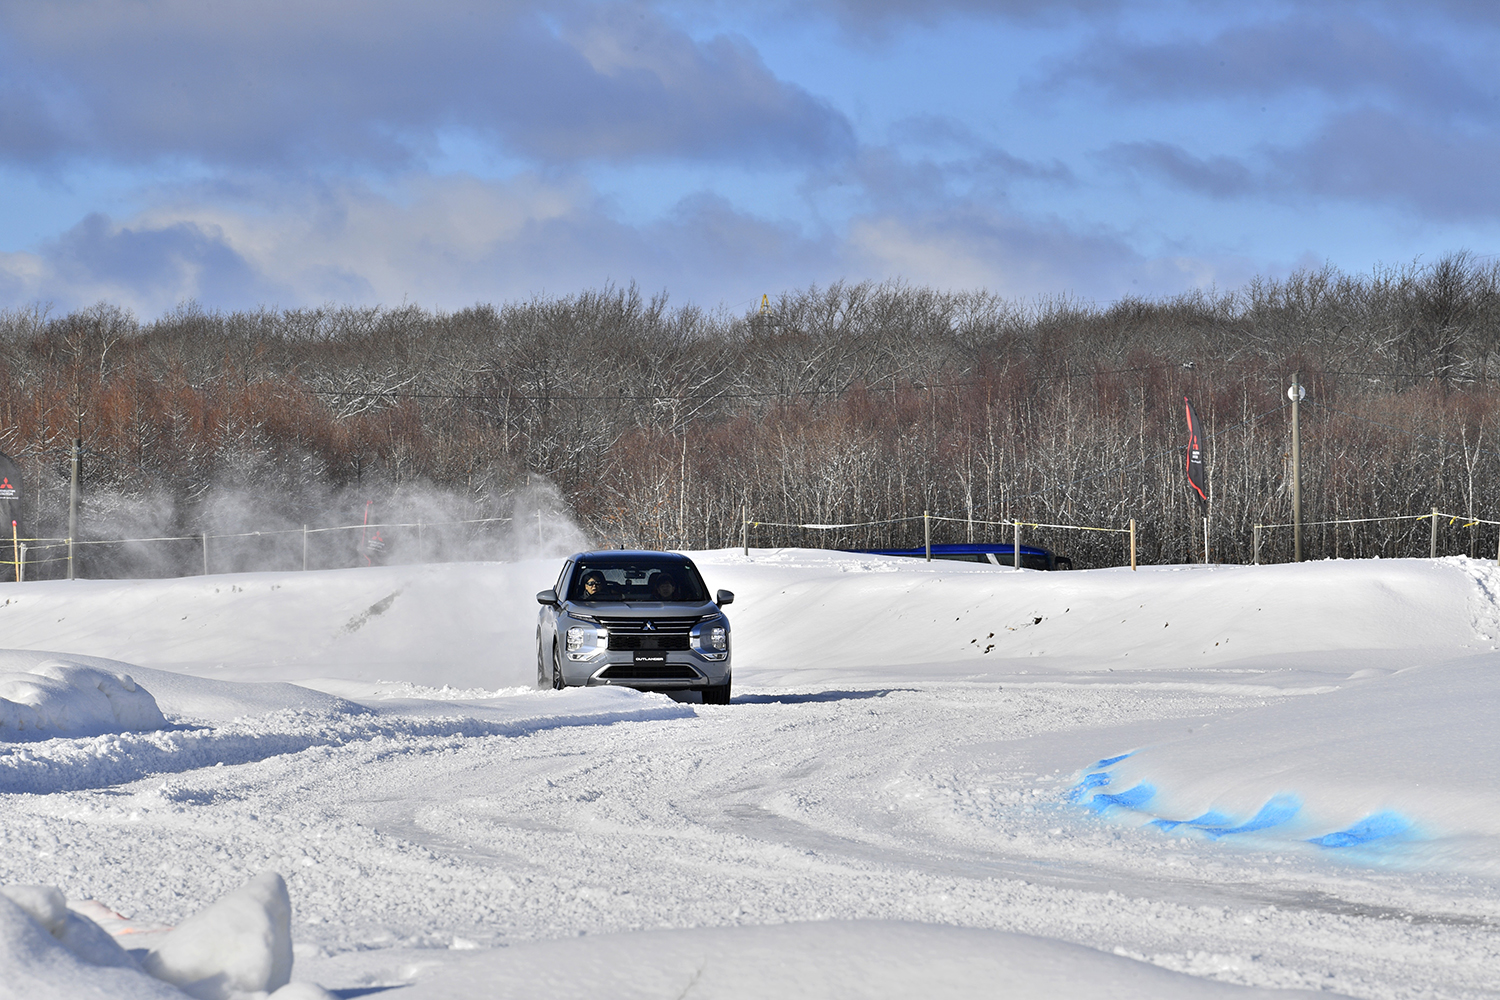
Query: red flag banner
x,y
1195,476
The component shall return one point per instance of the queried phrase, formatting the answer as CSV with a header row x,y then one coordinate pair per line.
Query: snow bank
x,y
812,961
1401,766
803,616
464,624
47,950
59,696
223,722
240,946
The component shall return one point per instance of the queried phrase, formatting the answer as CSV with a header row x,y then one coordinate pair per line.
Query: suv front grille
x,y
648,641
649,626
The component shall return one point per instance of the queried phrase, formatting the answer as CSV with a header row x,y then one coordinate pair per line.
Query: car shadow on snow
x,y
815,696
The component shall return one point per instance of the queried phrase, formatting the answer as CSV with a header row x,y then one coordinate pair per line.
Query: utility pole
x,y
1296,393
73,504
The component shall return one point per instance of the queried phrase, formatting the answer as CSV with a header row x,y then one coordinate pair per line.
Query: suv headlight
x,y
580,636
711,638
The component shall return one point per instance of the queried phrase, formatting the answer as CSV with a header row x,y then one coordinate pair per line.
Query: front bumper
x,y
681,671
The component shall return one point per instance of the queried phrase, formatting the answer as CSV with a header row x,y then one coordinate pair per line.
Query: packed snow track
x,y
929,776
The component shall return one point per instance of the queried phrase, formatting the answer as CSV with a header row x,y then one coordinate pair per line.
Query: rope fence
x,y
22,550
25,552
1435,517
926,517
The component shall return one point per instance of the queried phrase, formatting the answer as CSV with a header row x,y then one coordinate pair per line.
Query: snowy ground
x,y
933,779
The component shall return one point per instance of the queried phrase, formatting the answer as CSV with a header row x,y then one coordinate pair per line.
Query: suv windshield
x,y
622,578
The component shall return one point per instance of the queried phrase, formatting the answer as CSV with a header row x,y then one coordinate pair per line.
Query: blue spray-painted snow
x,y
1279,810
1211,818
1095,780
1106,762
1378,826
1131,798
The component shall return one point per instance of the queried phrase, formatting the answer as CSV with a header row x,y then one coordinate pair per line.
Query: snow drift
x,y
59,696
240,946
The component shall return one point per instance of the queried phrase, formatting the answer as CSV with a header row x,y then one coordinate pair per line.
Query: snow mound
x,y
63,697
809,961
47,950
1399,767
240,944
237,948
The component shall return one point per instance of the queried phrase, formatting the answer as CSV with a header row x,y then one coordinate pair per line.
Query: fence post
x,y
15,546
927,532
1132,544
1433,548
22,577
745,527
304,548
1255,548
205,553
1016,543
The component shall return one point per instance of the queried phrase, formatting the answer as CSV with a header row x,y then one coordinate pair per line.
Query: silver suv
x,y
635,619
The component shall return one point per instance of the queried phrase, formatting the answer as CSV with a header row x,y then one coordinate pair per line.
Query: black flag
x,y
10,495
1195,454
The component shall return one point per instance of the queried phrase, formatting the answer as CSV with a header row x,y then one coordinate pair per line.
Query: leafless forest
x,y
655,425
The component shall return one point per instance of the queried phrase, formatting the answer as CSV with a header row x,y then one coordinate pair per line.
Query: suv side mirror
x,y
724,597
547,597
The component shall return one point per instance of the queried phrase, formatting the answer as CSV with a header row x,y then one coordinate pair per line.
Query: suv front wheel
x,y
717,694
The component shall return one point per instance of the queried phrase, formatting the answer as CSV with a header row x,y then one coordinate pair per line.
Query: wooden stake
x,y
927,532
1132,544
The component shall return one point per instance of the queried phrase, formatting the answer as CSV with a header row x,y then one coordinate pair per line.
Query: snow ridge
x,y
61,765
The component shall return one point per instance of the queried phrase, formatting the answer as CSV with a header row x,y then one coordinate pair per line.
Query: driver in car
x,y
593,586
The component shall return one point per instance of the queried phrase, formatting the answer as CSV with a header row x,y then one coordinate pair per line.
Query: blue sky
x,y
302,152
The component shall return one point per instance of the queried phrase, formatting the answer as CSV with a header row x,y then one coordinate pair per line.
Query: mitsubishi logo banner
x,y
10,496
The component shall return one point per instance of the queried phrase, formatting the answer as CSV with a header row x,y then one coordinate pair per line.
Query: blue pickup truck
x,y
1032,556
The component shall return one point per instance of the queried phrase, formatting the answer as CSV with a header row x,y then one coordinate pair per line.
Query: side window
x,y
561,587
